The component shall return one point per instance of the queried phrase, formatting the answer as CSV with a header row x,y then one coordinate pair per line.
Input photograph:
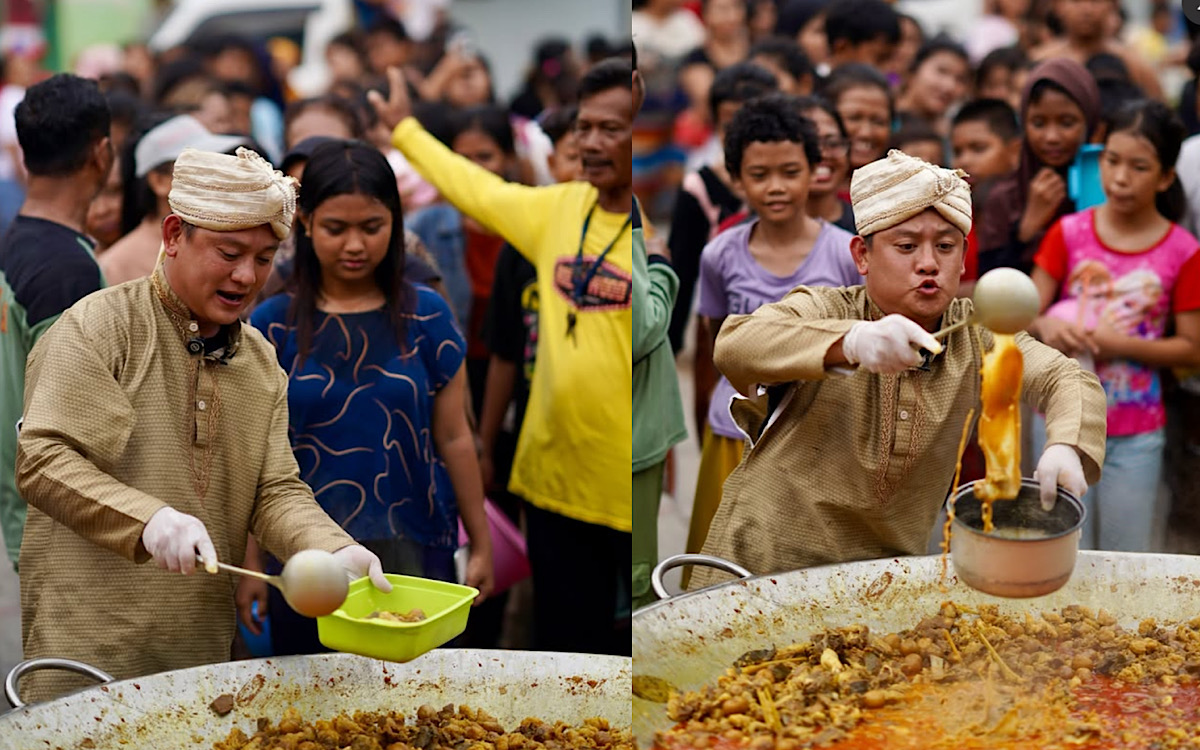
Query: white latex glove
x,y
174,539
887,346
362,562
1059,466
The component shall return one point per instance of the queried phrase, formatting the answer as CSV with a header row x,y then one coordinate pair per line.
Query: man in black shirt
x,y
46,261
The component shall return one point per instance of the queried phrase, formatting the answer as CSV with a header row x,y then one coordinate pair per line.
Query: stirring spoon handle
x,y
951,328
273,580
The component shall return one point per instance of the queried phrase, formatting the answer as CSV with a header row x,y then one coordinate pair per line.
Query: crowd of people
x,y
765,128
390,321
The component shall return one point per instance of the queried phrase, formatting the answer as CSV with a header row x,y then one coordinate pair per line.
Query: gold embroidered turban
x,y
228,193
898,187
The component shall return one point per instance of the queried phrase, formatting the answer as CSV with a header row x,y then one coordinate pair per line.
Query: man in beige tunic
x,y
860,441
155,426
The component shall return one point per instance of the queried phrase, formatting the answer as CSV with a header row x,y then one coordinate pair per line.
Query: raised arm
x,y
781,342
514,211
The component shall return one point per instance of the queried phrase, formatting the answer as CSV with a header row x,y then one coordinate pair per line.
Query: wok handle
x,y
707,561
33,665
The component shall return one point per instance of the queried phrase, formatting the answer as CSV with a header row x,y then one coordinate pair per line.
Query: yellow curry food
x,y
960,679
431,729
1000,424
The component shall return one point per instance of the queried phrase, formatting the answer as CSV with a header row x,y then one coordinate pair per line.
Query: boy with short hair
x,y
986,140
770,151
706,199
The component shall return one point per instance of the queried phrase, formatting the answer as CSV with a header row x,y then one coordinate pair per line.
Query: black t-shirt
x,y
510,330
48,266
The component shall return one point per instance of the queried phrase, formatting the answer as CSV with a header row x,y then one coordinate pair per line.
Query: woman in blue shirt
x,y
376,384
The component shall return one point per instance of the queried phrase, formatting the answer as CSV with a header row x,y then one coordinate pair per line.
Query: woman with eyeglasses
x,y
831,172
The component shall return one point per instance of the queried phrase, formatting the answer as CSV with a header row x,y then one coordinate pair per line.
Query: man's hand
x,y
251,590
888,346
362,562
397,106
174,539
1059,466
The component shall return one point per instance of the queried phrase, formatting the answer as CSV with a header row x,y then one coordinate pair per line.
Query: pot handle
x,y
707,561
33,665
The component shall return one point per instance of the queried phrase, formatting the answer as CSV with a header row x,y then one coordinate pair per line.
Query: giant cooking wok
x,y
171,709
691,639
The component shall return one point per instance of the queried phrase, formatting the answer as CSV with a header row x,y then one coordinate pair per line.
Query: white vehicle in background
x,y
309,23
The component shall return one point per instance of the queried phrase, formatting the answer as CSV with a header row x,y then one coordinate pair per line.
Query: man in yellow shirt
x,y
574,452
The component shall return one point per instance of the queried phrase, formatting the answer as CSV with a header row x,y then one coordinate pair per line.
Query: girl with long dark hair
x,y
376,383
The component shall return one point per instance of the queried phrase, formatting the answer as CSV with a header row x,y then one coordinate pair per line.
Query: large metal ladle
x,y
313,582
1005,300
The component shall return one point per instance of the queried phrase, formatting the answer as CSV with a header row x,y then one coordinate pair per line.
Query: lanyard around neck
x,y
582,274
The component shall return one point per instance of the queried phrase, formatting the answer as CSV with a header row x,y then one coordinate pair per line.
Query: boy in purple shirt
x,y
770,150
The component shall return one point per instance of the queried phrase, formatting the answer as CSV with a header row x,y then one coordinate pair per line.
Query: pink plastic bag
x,y
509,557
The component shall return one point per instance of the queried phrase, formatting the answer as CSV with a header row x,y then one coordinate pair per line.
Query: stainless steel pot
x,y
171,709
1000,564
691,639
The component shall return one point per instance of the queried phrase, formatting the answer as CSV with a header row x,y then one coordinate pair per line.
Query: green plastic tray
x,y
446,606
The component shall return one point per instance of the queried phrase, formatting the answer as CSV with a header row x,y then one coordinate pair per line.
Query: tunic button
x,y
201,406
193,326
903,414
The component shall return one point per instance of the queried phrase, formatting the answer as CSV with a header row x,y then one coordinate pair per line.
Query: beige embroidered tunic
x,y
120,419
856,466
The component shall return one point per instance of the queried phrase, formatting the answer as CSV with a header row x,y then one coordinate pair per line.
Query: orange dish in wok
x,y
959,680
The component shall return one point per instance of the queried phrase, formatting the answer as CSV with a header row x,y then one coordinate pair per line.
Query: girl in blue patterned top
x,y
376,384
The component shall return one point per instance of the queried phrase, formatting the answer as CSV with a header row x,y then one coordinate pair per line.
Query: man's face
x,y
604,132
217,274
913,268
980,152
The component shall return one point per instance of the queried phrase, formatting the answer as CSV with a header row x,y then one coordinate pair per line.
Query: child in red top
x,y
1123,271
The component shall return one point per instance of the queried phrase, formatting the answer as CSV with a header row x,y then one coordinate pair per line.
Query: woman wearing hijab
x,y
1060,107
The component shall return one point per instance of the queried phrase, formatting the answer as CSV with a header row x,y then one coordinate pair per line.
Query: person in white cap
x,y
134,255
852,465
155,427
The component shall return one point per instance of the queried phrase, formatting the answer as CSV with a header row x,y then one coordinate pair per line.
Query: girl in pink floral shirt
x,y
1127,281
